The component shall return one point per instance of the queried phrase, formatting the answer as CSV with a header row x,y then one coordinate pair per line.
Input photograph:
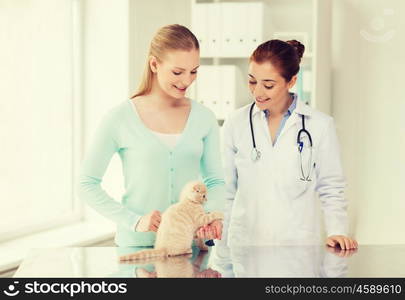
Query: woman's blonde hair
x,y
167,38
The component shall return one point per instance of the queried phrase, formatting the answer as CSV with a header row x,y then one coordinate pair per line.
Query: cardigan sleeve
x,y
211,168
97,158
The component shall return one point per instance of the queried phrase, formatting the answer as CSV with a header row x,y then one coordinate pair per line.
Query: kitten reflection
x,y
179,266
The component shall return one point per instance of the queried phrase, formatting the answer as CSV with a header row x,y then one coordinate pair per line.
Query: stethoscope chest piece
x,y
255,154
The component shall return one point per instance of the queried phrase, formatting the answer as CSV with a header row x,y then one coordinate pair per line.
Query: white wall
x,y
105,56
368,106
146,17
36,90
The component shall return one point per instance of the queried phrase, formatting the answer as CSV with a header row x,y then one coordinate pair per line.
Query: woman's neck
x,y
160,99
281,107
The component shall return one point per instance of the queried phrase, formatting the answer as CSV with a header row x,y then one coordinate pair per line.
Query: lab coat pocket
x,y
244,164
297,173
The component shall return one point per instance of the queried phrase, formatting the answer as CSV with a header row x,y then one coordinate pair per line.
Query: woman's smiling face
x,y
176,72
267,85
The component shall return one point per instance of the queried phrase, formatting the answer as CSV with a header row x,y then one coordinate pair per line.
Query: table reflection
x,y
219,261
182,266
281,261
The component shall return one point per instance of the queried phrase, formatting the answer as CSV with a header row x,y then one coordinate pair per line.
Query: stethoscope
x,y
256,154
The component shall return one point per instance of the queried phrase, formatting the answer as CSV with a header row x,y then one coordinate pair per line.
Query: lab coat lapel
x,y
295,118
259,121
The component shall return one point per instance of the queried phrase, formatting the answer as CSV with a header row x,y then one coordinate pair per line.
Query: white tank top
x,y
170,139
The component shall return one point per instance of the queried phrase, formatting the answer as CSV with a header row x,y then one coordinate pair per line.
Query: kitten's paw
x,y
218,215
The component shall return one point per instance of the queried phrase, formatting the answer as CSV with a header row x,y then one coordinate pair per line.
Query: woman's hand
x,y
340,252
344,242
207,273
143,273
210,231
149,222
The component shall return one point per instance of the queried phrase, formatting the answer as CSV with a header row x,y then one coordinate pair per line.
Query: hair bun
x,y
299,48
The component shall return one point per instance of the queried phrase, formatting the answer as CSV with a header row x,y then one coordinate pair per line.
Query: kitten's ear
x,y
199,187
196,188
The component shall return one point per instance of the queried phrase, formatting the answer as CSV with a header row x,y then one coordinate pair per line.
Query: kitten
x,y
179,224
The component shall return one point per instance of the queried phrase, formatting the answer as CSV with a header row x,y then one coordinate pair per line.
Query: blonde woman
x,y
163,139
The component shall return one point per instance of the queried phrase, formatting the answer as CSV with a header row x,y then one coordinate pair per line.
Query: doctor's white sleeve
x,y
230,172
331,183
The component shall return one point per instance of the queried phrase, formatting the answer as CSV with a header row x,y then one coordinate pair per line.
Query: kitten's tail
x,y
149,253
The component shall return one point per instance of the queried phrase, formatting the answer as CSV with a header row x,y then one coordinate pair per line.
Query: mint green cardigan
x,y
154,174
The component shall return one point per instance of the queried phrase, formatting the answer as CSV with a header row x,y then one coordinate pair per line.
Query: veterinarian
x,y
164,140
279,153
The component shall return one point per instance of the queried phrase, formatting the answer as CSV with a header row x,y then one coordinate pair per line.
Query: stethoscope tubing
x,y
301,132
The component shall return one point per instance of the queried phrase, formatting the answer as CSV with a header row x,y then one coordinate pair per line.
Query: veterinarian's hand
x,y
211,231
340,252
217,225
344,242
149,222
205,232
143,273
208,273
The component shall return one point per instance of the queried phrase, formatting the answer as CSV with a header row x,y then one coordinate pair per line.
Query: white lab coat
x,y
267,203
